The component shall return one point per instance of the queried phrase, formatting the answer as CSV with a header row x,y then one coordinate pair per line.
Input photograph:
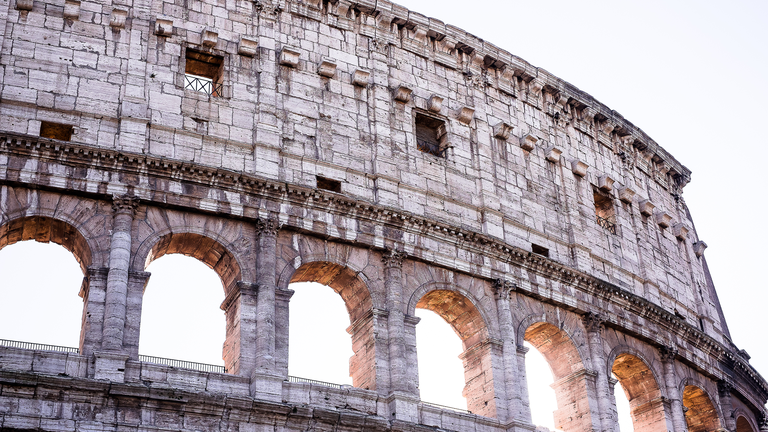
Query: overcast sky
x,y
690,74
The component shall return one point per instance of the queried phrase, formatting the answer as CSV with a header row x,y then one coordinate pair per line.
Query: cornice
x,y
73,154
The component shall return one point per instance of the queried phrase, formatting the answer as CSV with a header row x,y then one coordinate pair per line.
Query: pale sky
x,y
690,74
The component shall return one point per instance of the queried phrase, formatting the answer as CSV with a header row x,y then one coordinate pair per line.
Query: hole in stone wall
x,y
431,135
57,131
328,184
539,250
203,72
181,318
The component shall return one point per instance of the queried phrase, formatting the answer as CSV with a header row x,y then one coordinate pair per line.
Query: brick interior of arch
x,y
205,249
742,425
643,393
701,415
44,230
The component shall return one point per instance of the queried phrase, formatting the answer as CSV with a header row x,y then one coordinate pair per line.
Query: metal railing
x,y
183,364
203,85
607,224
294,379
37,346
445,407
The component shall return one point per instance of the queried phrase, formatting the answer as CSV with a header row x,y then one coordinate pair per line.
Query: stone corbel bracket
x,y
579,168
289,56
402,94
646,207
663,219
680,231
209,38
465,115
626,194
502,131
605,182
553,154
118,18
528,142
435,103
247,46
72,9
698,248
24,5
163,27
360,77
327,68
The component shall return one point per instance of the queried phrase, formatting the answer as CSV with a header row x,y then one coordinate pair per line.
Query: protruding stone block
x,y
536,85
360,77
25,5
289,56
327,68
626,194
247,46
72,9
607,127
110,366
402,94
466,114
680,231
528,142
646,207
699,247
663,218
163,27
553,154
209,38
117,18
605,182
579,168
502,131
435,103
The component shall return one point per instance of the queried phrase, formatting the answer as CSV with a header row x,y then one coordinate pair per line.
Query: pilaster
x,y
677,413
593,323
512,388
265,301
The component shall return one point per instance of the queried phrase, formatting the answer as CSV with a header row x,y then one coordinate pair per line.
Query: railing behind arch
x,y
183,364
294,379
37,346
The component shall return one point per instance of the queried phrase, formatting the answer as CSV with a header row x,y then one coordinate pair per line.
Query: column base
x,y
110,366
267,386
403,406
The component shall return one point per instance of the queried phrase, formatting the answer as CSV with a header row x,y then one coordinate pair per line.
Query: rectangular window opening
x,y
203,72
431,135
328,184
539,250
604,211
57,131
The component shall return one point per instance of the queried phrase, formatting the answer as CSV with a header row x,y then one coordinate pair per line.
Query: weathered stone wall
x,y
498,232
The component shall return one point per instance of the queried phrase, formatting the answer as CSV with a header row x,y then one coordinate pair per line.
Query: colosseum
x,y
392,157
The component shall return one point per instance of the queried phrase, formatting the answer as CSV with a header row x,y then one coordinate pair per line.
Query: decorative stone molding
x,y
163,27
72,9
579,168
502,131
117,18
605,182
663,219
535,86
435,103
626,194
402,94
646,207
289,56
680,231
360,77
247,46
699,247
607,127
668,353
465,115
502,288
209,38
553,154
724,388
593,322
327,68
528,142
392,258
24,5
267,227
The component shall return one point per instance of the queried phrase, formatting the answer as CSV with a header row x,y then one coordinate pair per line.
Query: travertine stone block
x,y
247,46
327,68
360,77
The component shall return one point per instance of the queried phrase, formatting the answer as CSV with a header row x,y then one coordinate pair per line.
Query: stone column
x,y
512,384
593,323
668,355
266,282
117,278
93,291
724,389
393,284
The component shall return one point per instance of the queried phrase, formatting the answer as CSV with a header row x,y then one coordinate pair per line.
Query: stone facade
x,y
396,159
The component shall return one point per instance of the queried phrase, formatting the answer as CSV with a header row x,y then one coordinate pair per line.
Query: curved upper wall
x,y
338,90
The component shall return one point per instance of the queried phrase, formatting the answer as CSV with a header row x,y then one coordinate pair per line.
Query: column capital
x,y
502,288
267,226
668,353
124,204
393,258
724,387
593,322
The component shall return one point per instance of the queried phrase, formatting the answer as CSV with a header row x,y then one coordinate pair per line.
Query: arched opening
x,y
180,293
478,351
646,405
570,377
742,425
700,413
43,280
320,346
541,396
180,315
355,295
439,345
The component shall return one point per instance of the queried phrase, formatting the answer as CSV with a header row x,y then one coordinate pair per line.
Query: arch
x,y
641,387
701,414
207,247
744,423
46,229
